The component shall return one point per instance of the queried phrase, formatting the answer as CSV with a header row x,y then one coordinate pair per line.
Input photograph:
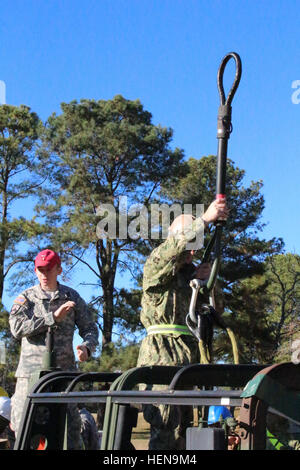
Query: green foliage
x,y
265,312
94,153
240,237
248,319
115,358
127,308
243,254
7,370
19,134
119,358
283,275
4,326
19,130
289,333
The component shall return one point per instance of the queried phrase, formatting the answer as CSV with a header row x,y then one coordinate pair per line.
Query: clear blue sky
x,y
167,53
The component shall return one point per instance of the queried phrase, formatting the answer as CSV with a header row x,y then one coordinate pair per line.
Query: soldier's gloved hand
x,y
82,353
63,311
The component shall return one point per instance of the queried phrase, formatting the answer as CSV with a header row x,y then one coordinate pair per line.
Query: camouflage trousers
x,y
74,441
168,424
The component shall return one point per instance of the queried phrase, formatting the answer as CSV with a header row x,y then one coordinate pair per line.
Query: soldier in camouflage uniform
x,y
37,308
165,304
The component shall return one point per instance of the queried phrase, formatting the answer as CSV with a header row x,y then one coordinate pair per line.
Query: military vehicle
x,y
252,392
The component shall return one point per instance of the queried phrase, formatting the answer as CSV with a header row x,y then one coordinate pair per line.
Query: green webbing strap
x,y
166,329
235,350
205,352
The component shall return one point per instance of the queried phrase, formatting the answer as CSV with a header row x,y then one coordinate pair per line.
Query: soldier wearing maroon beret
x,y
48,303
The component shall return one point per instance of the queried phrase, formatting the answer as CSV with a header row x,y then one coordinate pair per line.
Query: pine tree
x,y
19,134
243,254
96,154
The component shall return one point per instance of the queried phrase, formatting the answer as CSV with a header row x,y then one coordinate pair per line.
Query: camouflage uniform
x,y
166,300
30,317
89,430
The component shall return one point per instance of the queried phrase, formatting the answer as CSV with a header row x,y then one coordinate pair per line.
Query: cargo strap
x,y
166,329
274,441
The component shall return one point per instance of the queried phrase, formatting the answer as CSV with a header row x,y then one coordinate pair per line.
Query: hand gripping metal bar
x,y
224,128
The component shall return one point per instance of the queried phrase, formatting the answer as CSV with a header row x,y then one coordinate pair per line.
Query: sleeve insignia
x,y
20,300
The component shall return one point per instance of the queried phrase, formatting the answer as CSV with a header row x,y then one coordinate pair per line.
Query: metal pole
x,y
224,129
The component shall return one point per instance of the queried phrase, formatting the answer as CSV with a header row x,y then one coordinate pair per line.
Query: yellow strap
x,y
3,393
165,329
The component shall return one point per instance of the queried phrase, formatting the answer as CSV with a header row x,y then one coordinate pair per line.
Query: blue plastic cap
x,y
215,412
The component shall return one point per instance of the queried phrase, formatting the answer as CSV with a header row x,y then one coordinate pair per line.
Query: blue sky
x,y
167,53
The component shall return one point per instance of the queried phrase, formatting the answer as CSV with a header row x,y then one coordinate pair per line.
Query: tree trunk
x,y
108,317
3,241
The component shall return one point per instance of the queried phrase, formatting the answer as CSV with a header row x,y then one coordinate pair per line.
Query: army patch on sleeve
x,y
20,300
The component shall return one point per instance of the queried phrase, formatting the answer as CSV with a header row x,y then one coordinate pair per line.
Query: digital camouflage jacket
x,y
32,314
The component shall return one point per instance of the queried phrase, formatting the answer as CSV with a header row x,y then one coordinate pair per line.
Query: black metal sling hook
x,y
238,74
224,126
224,129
